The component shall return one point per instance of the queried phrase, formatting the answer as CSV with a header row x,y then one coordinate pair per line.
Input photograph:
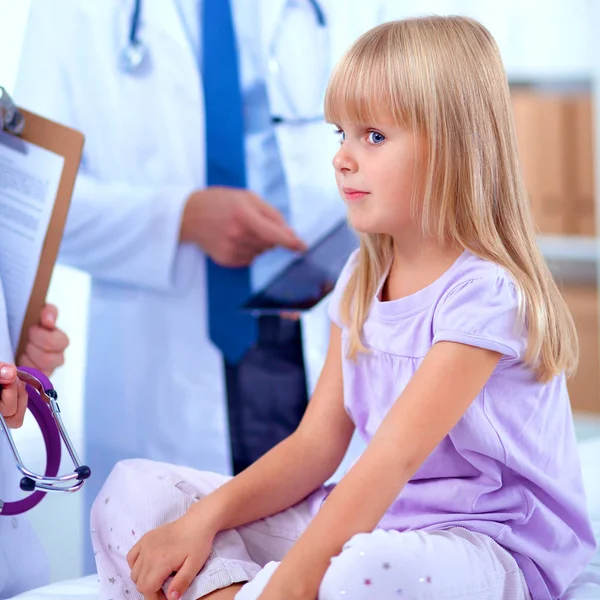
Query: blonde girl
x,y
449,348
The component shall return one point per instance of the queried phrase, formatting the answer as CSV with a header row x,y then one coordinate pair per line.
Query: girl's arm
x,y
448,380
295,467
281,478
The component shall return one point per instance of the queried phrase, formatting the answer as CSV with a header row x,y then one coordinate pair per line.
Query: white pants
x,y
140,495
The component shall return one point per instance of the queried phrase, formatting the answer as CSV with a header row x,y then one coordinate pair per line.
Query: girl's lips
x,y
352,194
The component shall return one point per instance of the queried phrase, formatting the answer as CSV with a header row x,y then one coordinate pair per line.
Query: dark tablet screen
x,y
309,278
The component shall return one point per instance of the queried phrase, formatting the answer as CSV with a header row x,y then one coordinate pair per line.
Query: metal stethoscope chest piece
x,y
135,56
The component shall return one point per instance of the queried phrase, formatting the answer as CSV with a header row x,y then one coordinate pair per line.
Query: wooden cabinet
x,y
584,387
555,140
580,143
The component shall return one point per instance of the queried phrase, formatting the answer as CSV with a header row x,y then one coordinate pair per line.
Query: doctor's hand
x,y
13,398
233,226
46,345
182,546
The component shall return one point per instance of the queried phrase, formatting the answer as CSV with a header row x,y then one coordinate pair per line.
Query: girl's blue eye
x,y
341,134
375,137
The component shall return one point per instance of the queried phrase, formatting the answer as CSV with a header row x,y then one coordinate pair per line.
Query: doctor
x,y
169,193
23,563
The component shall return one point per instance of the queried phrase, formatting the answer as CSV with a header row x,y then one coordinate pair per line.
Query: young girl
x,y
448,353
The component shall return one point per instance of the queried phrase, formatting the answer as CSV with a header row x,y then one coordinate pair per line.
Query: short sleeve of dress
x,y
336,296
482,312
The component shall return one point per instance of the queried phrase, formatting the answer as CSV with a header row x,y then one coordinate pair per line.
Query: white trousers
x,y
140,495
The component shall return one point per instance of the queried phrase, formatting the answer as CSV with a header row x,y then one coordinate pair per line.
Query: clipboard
x,y
65,142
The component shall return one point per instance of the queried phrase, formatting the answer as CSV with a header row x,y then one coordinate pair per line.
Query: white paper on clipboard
x,y
29,180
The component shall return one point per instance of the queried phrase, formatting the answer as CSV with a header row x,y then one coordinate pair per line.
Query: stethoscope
x,y
43,404
135,56
135,53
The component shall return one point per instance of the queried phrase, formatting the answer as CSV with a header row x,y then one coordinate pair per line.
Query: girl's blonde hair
x,y
443,78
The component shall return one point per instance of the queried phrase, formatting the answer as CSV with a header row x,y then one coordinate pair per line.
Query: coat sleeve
x,y
115,231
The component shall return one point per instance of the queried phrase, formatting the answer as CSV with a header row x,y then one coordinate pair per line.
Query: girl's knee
x,y
418,564
151,490
128,481
377,565
121,474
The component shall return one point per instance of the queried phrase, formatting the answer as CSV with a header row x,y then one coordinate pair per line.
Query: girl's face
x,y
377,168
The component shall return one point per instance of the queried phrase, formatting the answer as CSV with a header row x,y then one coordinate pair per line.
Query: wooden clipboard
x,y
68,143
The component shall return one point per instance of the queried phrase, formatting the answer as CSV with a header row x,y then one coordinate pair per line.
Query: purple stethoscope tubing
x,y
43,406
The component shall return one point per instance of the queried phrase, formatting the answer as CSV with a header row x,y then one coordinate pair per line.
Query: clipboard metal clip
x,y
11,118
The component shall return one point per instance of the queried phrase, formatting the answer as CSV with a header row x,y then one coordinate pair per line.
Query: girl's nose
x,y
343,162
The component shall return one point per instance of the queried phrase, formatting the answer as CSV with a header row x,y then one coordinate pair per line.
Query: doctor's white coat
x,y
154,381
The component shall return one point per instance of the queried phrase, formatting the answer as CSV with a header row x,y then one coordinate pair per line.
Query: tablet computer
x,y
309,278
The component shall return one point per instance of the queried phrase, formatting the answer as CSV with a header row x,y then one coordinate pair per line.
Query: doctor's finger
x,y
49,316
274,234
22,399
43,360
25,361
236,255
8,374
250,248
50,340
15,420
9,398
9,401
266,209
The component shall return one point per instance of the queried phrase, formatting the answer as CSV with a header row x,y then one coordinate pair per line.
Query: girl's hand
x,y
180,547
13,398
46,345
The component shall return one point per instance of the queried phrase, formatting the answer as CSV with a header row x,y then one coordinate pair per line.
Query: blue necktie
x,y
230,329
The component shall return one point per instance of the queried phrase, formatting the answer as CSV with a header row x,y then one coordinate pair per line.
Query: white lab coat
x,y
23,562
154,381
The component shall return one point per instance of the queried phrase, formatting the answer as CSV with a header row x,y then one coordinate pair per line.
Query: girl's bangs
x,y
366,86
